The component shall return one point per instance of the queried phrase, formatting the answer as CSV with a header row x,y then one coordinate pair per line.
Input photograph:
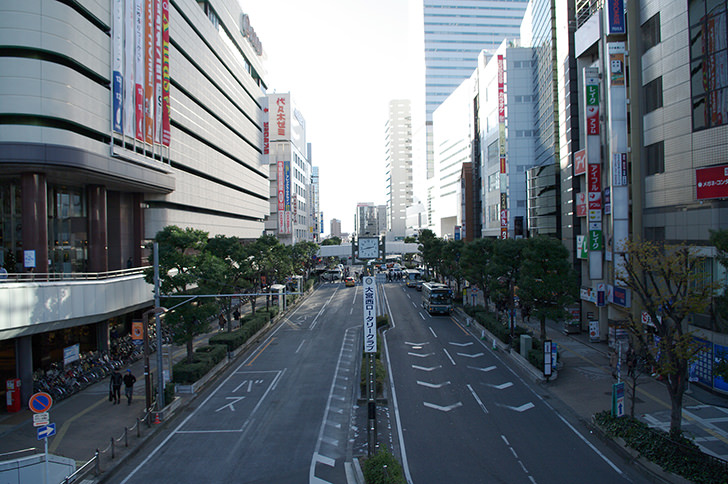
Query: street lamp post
x,y
158,326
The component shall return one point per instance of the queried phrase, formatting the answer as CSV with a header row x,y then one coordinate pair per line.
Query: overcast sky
x,y
342,61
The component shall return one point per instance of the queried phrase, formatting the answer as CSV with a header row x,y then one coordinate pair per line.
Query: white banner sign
x,y
370,314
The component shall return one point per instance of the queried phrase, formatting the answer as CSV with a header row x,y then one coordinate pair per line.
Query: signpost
x,y
39,404
618,399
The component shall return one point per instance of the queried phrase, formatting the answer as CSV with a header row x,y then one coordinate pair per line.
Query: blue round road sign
x,y
40,402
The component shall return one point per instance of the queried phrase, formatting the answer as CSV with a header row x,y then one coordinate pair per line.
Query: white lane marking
x,y
423,318
461,344
502,386
443,409
231,404
522,408
322,438
486,369
325,460
426,369
315,320
432,385
431,330
395,402
566,422
416,344
448,355
300,346
477,399
471,356
419,355
515,455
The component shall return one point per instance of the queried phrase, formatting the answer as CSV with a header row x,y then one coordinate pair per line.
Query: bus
x,y
411,276
437,298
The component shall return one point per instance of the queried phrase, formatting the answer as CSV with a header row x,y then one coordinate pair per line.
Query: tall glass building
x,y
455,33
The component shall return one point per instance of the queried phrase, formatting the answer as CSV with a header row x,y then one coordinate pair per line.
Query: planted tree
x,y
504,270
430,250
476,258
181,252
225,272
546,282
450,266
670,287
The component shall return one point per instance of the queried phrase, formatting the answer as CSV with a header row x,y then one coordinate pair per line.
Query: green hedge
x,y
675,454
249,325
215,352
187,373
383,468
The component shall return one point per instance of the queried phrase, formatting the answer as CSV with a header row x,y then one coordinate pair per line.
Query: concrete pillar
x,y
35,219
138,228
97,236
24,367
102,335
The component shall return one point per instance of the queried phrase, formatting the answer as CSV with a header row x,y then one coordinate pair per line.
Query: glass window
x,y
653,95
655,156
651,33
67,230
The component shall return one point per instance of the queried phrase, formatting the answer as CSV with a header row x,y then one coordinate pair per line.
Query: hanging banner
x,y
711,182
149,71
117,39
128,75
158,71
139,69
580,162
165,74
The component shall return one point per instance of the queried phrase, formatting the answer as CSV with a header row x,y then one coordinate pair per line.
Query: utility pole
x,y
158,326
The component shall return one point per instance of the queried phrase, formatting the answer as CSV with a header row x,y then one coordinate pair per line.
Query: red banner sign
x,y
711,182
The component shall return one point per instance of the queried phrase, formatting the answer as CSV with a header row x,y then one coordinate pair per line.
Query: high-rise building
x,y
398,159
97,154
290,172
315,218
456,31
335,230
370,219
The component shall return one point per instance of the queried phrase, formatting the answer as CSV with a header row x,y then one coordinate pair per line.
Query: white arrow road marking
x,y
443,409
477,399
426,369
232,408
420,355
461,344
522,408
488,368
432,385
502,386
471,356
416,344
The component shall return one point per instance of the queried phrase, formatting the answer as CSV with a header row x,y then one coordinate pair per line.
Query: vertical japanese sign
x,y
502,149
281,198
615,17
580,162
149,71
139,68
128,77
592,109
370,314
117,39
158,71
165,74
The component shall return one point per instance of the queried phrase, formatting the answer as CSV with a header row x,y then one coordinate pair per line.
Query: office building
x,y
290,172
116,124
398,160
455,32
335,230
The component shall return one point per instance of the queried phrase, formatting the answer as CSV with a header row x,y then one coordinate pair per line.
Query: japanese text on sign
x,y
370,315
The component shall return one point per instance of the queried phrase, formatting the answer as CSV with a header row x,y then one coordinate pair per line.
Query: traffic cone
x,y
156,419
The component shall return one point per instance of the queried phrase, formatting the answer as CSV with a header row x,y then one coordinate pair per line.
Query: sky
x,y
342,61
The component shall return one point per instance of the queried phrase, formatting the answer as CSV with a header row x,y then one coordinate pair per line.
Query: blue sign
x,y
615,17
47,431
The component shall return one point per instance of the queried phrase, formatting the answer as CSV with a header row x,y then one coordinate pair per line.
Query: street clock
x,y
368,248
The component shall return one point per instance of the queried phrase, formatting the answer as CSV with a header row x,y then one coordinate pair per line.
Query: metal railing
x,y
11,277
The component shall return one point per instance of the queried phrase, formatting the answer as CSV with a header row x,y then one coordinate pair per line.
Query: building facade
x,y
116,123
290,216
398,166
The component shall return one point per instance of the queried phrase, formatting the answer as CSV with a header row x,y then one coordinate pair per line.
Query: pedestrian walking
x,y
129,380
613,363
115,386
221,321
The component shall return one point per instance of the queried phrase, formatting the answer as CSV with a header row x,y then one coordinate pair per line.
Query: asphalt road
x,y
282,415
464,416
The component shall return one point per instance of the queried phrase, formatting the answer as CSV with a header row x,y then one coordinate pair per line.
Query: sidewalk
x,y
87,421
584,383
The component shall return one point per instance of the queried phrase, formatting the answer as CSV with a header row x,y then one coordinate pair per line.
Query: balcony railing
x,y
67,276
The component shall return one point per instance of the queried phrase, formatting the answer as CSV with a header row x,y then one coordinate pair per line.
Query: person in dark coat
x,y
129,380
115,386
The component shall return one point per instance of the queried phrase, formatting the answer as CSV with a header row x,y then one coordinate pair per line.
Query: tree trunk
x,y
190,350
543,327
676,388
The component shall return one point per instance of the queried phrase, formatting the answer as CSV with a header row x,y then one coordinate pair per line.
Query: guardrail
x,y
67,276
